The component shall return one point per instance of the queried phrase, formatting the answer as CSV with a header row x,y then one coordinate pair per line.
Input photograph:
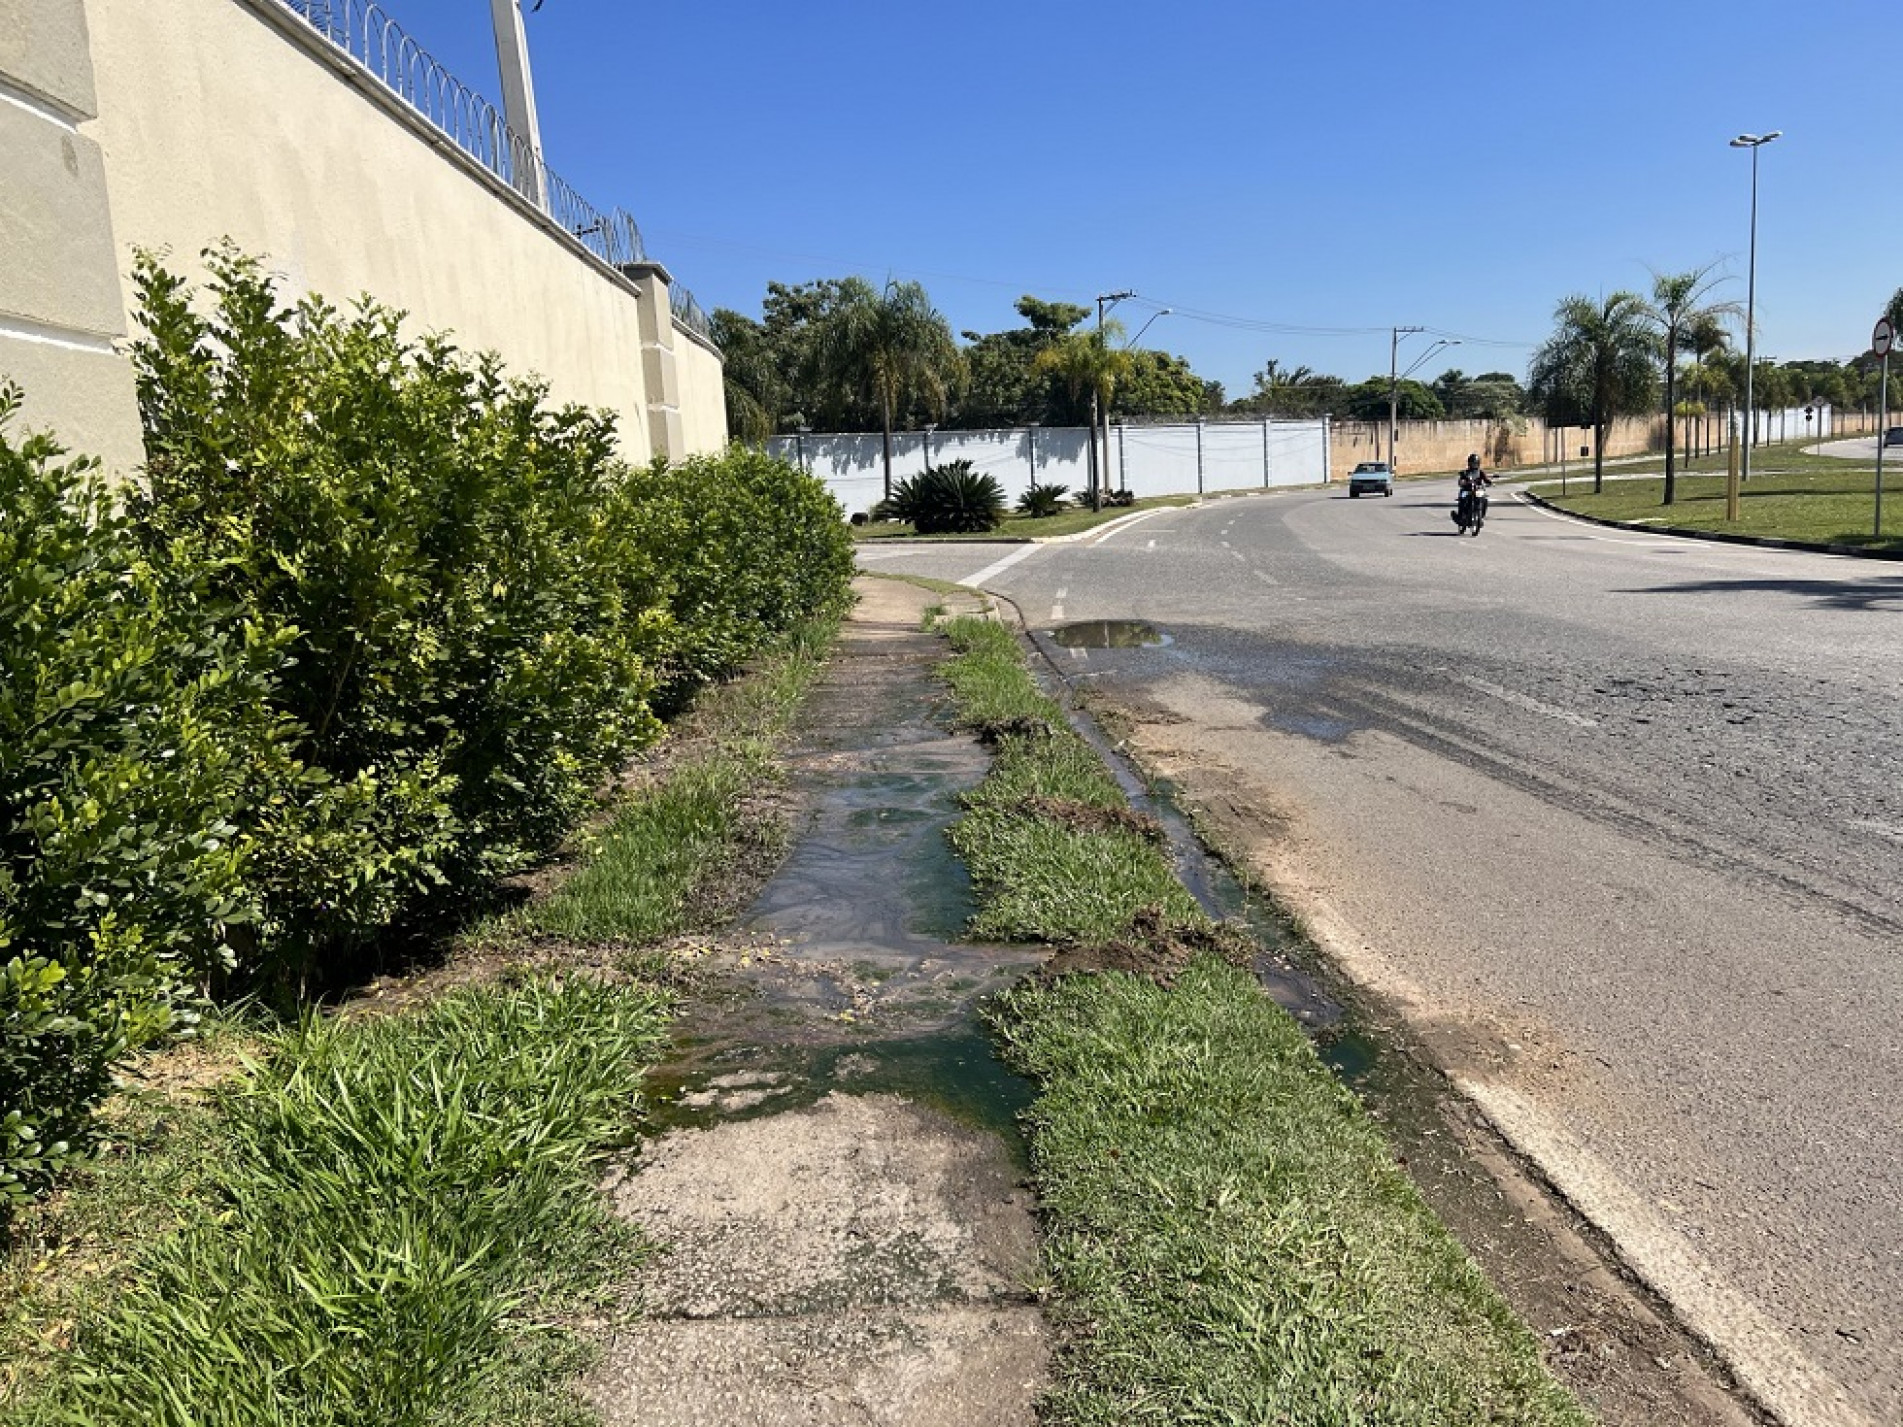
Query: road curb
x,y
1721,537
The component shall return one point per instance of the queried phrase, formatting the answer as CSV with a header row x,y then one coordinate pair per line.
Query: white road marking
x,y
1150,546
998,567
1062,594
1531,705
1057,613
1769,1363
1265,577
1240,556
1118,527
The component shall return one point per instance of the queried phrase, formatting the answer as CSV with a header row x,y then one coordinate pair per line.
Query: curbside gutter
x,y
1723,537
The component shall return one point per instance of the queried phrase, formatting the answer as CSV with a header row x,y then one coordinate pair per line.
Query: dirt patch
x,y
1157,948
1085,817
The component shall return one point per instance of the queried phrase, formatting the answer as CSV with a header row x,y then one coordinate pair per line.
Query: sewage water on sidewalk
x,y
856,979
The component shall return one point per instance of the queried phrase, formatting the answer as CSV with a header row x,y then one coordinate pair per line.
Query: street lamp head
x,y
1752,141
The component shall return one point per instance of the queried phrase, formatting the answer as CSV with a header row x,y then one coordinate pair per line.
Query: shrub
x,y
1039,501
469,627
948,499
135,747
745,546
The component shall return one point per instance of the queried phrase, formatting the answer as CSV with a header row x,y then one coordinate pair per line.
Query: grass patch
x,y
645,869
1230,1232
1791,496
1023,527
1043,874
1229,1235
398,1222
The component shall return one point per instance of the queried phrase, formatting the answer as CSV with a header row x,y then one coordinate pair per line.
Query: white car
x,y
1373,477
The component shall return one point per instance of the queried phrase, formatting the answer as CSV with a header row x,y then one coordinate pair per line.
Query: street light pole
x,y
1753,142
1160,312
1395,334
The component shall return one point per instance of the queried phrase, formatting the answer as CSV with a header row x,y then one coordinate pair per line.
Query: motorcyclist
x,y
1472,499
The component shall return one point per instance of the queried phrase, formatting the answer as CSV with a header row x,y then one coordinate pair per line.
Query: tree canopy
x,y
1597,365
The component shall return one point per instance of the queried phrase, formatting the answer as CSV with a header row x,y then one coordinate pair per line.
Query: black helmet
x,y
1473,459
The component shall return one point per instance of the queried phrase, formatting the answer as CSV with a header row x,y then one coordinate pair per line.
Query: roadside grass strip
x,y
1229,1235
401,1217
1046,869
1791,496
665,842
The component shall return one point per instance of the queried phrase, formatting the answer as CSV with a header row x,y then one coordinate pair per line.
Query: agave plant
x,y
1040,501
946,500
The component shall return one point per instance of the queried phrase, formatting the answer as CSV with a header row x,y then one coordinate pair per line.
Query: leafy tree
x,y
1597,365
1491,396
1413,401
1296,392
1159,384
756,391
1090,367
1894,310
1680,300
894,348
1006,388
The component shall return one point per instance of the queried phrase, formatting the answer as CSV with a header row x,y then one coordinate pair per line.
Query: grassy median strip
x,y
1228,1232
1791,496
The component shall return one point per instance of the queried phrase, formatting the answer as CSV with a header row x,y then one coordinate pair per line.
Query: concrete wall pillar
x,y
659,364
62,305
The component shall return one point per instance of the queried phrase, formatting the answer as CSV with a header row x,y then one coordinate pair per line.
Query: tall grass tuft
x,y
401,1201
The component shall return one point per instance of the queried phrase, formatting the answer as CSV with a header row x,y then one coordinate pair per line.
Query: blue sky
x,y
1292,180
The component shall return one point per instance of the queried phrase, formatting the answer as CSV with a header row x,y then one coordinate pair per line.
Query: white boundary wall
x,y
1185,458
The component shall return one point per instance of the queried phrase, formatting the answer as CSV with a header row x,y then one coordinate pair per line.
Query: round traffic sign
x,y
1881,338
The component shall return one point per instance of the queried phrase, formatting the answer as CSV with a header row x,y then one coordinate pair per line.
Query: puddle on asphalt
x,y
1315,726
1109,634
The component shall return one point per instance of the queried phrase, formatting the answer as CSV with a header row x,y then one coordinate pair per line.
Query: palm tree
x,y
755,392
1090,367
893,348
1678,304
1596,365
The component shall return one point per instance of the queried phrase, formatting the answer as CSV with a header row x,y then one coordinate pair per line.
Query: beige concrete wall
x,y
703,391
1422,446
60,304
230,118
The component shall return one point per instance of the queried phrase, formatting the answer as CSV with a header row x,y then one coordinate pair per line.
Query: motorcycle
x,y
1470,511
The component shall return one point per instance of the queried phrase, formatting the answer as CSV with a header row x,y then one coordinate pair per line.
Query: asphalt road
x,y
1614,818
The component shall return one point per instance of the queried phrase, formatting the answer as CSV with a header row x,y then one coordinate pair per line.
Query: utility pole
x,y
1395,335
1101,417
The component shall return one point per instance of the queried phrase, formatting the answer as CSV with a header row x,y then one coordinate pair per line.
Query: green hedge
x,y
375,628
135,745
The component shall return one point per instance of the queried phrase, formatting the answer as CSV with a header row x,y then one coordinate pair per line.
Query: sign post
x,y
1880,342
